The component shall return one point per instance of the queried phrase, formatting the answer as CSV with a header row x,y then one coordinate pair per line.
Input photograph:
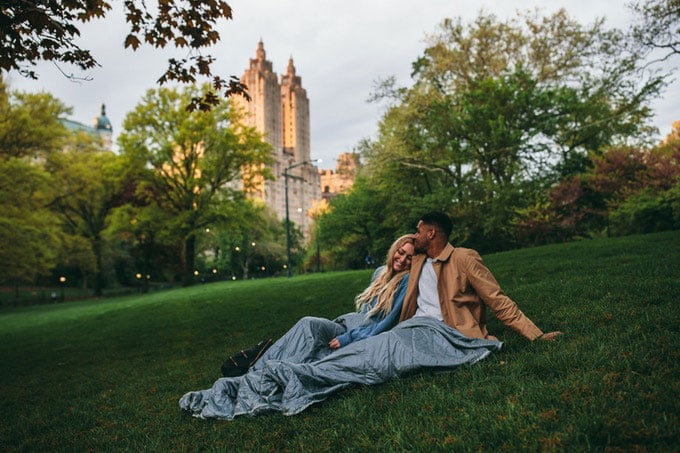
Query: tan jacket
x,y
466,287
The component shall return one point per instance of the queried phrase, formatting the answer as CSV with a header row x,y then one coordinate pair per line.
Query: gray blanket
x,y
300,370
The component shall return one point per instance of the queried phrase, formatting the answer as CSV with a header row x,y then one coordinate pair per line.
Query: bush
x,y
647,212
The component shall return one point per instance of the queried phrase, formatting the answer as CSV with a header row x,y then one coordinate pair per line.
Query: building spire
x,y
260,53
291,67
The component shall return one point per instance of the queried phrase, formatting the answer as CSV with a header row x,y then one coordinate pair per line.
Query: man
x,y
454,286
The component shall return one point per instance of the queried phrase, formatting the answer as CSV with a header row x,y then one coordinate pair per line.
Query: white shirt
x,y
428,297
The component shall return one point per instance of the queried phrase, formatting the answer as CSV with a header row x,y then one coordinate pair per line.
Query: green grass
x,y
107,374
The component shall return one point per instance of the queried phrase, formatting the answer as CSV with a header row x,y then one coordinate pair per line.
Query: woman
x,y
381,302
310,340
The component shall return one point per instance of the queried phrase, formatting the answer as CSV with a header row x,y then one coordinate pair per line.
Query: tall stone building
x,y
280,111
340,180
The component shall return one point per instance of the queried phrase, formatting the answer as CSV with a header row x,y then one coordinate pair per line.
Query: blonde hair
x,y
385,284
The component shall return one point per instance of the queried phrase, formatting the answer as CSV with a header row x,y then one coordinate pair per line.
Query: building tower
x,y
280,111
295,114
102,127
263,112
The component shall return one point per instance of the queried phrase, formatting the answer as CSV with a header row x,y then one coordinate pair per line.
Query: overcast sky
x,y
340,49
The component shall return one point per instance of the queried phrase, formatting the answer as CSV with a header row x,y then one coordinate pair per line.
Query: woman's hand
x,y
334,344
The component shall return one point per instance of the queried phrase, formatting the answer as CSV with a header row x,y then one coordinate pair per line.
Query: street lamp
x,y
286,175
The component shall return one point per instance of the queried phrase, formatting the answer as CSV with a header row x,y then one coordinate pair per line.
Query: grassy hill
x,y
107,374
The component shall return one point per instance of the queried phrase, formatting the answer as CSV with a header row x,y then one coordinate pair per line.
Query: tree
x,y
28,232
30,126
29,132
251,240
359,223
48,30
501,110
89,187
146,251
658,26
191,157
523,92
77,259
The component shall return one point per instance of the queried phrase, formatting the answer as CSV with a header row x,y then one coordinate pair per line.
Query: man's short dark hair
x,y
438,220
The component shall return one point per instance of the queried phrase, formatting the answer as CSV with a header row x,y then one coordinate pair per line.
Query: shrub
x,y
647,212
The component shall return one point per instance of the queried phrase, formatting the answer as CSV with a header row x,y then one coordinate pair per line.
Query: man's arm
x,y
491,294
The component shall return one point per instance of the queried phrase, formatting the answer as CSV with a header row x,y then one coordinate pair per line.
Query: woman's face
x,y
402,257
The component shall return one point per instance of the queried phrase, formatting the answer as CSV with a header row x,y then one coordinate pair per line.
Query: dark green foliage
x,y
647,212
107,374
30,131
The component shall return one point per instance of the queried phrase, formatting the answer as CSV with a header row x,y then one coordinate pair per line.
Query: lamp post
x,y
286,175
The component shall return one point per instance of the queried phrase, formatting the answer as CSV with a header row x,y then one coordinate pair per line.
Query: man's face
x,y
422,241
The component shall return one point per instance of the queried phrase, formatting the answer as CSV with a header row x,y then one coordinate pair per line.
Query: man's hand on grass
x,y
550,336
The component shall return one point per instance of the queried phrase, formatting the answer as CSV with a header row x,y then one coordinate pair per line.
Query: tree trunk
x,y
244,268
189,259
99,273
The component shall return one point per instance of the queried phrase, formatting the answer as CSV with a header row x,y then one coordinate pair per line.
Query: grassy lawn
x,y
107,374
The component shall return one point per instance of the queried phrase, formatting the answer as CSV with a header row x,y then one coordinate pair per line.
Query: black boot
x,y
239,363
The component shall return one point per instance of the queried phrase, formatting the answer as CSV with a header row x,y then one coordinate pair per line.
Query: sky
x,y
340,50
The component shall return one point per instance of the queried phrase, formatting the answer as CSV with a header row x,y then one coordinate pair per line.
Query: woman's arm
x,y
380,322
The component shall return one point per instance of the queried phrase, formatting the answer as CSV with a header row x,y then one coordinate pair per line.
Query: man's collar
x,y
445,254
